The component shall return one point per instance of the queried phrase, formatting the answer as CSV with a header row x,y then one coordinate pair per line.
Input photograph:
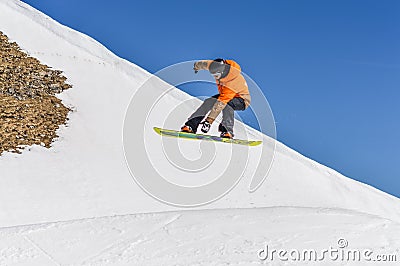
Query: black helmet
x,y
219,68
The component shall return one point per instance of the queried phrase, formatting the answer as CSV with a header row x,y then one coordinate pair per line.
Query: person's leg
x,y
195,119
228,114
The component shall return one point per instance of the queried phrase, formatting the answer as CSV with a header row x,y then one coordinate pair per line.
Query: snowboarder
x,y
233,96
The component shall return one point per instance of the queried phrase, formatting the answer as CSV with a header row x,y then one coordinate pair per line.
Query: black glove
x,y
205,126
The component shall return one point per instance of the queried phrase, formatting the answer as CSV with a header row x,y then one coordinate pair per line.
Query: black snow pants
x,y
226,125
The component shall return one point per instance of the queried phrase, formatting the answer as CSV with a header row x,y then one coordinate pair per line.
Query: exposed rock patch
x,y
29,111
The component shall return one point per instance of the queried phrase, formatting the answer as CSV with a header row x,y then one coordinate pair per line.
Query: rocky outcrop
x,y
30,113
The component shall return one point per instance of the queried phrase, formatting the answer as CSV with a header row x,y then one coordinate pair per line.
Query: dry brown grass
x,y
30,113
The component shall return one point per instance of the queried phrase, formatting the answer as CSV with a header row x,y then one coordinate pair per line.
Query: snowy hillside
x,y
77,203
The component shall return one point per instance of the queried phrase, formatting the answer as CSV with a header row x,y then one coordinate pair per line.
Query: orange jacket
x,y
229,87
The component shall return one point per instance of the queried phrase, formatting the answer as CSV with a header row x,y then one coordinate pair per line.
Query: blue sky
x,y
329,69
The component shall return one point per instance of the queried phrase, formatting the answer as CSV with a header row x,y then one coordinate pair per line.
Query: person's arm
x,y
201,65
224,97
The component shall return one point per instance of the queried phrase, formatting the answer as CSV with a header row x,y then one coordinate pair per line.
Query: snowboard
x,y
185,135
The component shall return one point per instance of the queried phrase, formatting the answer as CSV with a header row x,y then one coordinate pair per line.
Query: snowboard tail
x,y
185,135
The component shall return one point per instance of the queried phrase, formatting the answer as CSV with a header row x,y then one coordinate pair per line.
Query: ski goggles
x,y
217,75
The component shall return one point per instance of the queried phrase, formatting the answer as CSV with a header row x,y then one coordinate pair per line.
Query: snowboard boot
x,y
226,135
187,129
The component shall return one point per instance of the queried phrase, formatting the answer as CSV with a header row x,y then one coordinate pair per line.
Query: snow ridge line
x,y
25,228
288,152
45,21
137,239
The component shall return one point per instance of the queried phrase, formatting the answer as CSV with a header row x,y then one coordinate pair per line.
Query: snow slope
x,y
227,237
80,193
